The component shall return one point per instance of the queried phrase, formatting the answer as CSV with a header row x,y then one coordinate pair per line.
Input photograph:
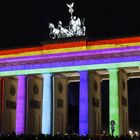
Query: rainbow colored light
x,y
66,57
70,68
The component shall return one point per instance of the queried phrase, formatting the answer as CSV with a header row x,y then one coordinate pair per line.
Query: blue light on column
x,y
46,106
83,103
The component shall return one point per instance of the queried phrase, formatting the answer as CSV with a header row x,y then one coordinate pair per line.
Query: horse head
x,y
51,26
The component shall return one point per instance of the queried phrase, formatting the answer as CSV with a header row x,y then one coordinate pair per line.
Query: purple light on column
x,y
20,109
83,103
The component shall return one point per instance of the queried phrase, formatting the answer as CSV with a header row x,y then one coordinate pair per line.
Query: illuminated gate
x,y
80,56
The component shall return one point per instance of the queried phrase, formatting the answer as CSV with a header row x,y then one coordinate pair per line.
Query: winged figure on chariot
x,y
75,28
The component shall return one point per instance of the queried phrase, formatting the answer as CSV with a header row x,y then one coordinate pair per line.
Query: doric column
x,y
123,99
1,100
83,103
94,93
47,105
114,99
20,107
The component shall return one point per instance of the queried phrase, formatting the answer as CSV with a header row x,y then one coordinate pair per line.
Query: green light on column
x,y
114,99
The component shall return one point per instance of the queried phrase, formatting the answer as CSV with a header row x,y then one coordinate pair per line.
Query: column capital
x,y
82,70
21,76
113,70
46,74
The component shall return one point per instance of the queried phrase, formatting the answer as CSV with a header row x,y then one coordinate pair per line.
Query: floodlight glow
x,y
83,103
20,107
136,133
130,132
114,99
46,104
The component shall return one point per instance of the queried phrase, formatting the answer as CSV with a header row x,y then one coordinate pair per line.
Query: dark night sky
x,y
25,22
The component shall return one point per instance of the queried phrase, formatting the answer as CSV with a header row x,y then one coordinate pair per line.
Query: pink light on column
x,y
20,108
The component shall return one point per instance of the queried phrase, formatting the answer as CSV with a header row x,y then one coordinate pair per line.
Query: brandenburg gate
x,y
33,85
